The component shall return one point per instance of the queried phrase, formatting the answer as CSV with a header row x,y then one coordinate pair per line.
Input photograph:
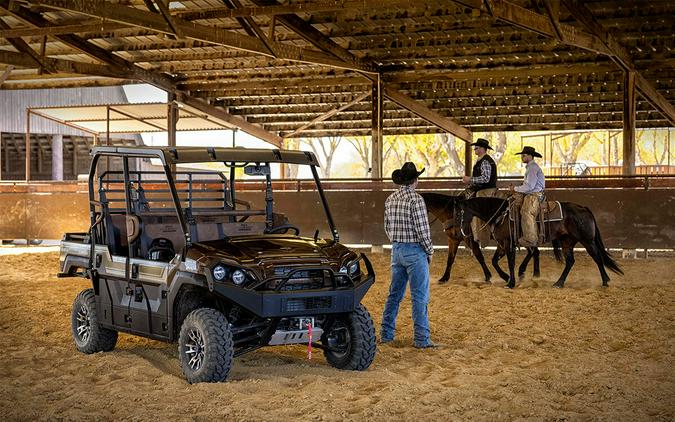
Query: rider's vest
x,y
492,183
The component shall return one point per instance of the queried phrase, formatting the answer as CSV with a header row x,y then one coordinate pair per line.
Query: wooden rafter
x,y
161,81
300,7
427,114
154,22
621,55
23,47
65,66
166,14
328,114
61,29
532,21
6,73
553,10
315,37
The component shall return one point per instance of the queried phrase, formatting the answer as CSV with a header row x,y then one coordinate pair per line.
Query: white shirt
x,y
534,179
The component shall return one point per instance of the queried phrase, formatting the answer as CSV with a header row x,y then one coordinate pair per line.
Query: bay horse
x,y
577,225
442,208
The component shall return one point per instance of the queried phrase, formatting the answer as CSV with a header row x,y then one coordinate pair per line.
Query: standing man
x,y
407,226
482,183
530,194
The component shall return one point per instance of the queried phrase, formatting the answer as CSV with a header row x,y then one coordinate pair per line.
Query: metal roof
x,y
302,68
130,118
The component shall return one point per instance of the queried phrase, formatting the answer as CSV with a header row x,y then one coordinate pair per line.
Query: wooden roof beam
x,y
65,66
23,47
532,21
6,73
160,81
300,7
428,114
315,37
328,114
235,121
166,14
154,22
61,29
622,56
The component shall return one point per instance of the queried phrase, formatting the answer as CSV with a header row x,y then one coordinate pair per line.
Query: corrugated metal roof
x,y
131,118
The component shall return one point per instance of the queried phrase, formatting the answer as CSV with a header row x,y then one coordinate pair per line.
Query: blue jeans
x,y
408,262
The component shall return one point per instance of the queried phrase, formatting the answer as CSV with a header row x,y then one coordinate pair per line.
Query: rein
x,y
487,222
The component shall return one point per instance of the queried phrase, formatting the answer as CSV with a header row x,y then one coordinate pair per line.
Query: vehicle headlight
x,y
354,268
238,277
219,272
343,270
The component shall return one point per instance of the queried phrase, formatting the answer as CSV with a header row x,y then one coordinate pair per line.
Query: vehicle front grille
x,y
308,303
301,280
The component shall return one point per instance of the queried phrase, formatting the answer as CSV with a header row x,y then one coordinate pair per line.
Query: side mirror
x,y
257,170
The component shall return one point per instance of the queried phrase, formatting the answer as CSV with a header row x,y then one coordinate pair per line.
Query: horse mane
x,y
440,205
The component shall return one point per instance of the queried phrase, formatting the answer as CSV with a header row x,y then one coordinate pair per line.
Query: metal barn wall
x,y
14,103
627,218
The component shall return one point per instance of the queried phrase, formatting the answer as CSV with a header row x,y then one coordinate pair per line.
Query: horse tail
x,y
607,259
557,252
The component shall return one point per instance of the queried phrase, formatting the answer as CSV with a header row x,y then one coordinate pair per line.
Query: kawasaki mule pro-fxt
x,y
176,256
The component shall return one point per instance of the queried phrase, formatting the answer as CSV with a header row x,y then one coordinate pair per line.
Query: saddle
x,y
549,211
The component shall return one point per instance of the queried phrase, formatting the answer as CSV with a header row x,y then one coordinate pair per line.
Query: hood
x,y
243,248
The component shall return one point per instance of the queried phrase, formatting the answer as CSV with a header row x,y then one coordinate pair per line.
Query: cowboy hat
x,y
406,174
480,142
529,151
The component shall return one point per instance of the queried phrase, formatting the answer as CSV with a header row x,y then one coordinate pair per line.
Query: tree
x,y
324,149
568,149
362,146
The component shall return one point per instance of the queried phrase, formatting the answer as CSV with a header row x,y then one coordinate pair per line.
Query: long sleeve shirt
x,y
406,220
534,179
485,173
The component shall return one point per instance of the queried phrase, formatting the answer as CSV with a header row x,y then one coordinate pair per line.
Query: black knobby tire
x,y
88,335
205,346
357,343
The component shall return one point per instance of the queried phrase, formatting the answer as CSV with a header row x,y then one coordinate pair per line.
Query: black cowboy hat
x,y
529,151
480,142
406,175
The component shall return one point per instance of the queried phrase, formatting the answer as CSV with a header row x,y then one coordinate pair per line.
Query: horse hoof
x,y
536,275
442,281
558,285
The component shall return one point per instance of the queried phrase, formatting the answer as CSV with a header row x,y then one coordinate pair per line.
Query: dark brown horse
x,y
442,208
577,226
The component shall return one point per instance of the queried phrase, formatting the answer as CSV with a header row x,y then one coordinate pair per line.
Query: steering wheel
x,y
284,228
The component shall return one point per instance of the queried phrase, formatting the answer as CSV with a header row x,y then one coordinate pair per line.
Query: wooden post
x,y
629,123
376,145
27,145
468,170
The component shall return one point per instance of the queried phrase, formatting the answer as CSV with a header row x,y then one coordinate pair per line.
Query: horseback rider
x,y
482,183
530,194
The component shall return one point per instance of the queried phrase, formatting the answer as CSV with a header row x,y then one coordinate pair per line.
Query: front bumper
x,y
274,304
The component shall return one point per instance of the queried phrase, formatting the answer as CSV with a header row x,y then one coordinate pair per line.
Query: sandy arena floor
x,y
535,353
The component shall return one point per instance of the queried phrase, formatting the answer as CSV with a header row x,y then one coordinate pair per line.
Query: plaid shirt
x,y
485,173
405,218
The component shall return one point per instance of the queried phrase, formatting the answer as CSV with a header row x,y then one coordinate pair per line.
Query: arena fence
x,y
632,212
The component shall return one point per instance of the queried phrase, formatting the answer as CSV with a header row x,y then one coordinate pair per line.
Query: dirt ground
x,y
535,353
